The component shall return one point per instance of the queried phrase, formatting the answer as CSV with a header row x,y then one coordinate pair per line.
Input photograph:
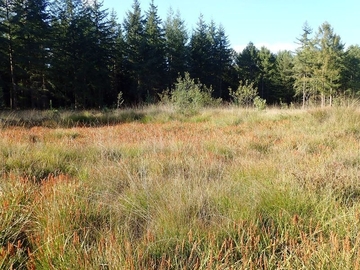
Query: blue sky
x,y
275,24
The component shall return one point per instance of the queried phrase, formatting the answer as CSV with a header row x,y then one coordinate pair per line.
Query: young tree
x,y
245,94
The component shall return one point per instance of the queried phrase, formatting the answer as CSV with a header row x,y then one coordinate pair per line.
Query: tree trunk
x,y
13,90
304,93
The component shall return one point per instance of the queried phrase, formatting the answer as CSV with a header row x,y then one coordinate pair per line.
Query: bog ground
x,y
222,189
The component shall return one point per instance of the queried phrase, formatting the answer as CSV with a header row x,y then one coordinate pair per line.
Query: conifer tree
x,y
154,58
304,66
176,49
117,69
66,50
99,52
6,13
4,51
350,75
329,61
134,39
221,59
28,32
284,79
248,64
267,74
200,53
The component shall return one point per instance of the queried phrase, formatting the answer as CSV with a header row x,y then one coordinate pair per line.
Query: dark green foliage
x,y
81,57
284,78
350,77
134,51
248,64
211,57
176,49
267,84
26,29
154,64
83,51
200,52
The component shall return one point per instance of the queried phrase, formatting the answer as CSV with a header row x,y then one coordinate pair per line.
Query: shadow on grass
x,y
67,119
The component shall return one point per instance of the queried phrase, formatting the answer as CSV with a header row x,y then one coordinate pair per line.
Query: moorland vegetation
x,y
153,188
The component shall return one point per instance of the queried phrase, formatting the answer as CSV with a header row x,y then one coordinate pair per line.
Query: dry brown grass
x,y
224,189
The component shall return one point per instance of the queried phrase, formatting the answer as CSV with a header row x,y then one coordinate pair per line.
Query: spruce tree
x,y
134,39
7,48
154,59
284,79
248,64
200,53
304,64
267,75
4,61
329,61
100,50
350,75
176,49
66,50
117,69
222,62
29,32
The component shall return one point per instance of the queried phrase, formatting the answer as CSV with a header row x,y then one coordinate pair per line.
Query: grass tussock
x,y
222,189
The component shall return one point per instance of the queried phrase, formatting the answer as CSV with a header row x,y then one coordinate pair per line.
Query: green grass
x,y
226,188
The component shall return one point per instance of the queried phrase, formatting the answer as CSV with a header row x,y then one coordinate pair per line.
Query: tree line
x,y
75,54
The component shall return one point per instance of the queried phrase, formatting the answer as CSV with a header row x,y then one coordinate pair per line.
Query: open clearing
x,y
224,189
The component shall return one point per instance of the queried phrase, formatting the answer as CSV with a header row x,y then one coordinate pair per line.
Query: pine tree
x,y
28,31
304,66
329,61
248,64
117,69
284,78
7,14
134,38
221,60
4,63
267,74
154,60
350,75
201,53
66,50
100,49
176,49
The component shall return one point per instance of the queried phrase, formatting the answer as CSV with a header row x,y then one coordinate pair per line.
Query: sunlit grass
x,y
225,188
